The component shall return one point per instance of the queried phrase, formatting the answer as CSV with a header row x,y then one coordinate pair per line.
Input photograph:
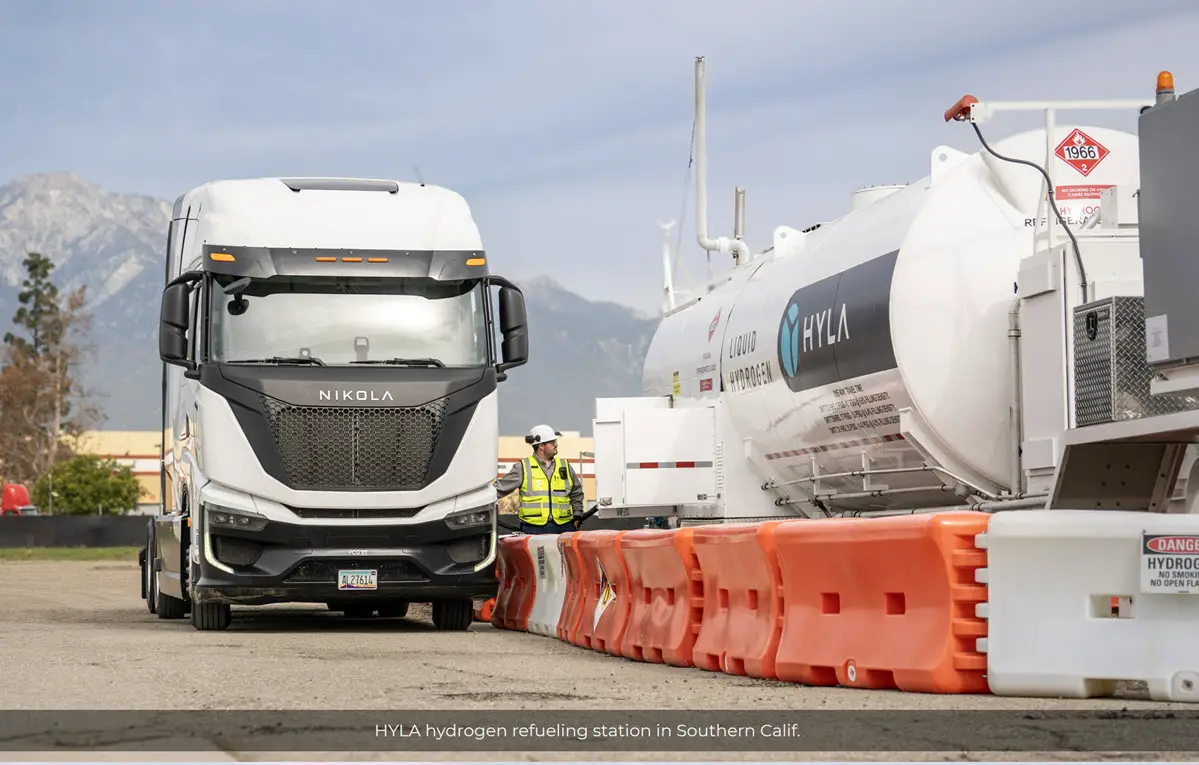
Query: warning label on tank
x,y
1081,191
851,412
1170,564
1081,152
1076,203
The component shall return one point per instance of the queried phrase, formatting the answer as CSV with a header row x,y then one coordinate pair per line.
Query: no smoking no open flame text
x,y
1173,573
451,731
1170,563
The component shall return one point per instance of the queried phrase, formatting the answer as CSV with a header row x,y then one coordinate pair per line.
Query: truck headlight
x,y
479,516
228,518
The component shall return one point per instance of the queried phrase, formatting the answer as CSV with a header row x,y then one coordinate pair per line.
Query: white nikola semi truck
x,y
331,349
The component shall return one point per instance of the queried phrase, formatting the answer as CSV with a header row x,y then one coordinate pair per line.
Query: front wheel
x,y
211,616
167,607
453,615
149,580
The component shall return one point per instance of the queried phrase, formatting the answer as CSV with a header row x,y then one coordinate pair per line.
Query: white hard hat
x,y
541,434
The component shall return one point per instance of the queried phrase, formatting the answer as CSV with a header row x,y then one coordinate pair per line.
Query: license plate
x,y
358,579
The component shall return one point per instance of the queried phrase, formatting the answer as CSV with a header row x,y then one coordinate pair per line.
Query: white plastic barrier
x,y
1079,599
551,584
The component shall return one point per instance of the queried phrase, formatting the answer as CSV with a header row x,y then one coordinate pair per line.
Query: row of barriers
x,y
1051,603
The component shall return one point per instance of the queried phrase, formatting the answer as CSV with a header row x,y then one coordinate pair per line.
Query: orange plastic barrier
x,y
743,605
572,603
604,625
605,609
484,609
884,603
665,596
514,599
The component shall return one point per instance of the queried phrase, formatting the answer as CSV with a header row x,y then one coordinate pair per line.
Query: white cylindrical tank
x,y
869,194
900,304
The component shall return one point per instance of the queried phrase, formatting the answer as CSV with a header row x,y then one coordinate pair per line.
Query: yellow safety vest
x,y
540,496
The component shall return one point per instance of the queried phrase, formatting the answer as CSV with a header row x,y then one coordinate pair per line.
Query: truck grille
x,y
344,447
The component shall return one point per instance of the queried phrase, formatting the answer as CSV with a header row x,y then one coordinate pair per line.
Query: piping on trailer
x,y
740,249
1015,405
1032,501
881,471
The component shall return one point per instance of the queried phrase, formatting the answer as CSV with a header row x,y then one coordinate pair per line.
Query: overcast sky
x,y
566,125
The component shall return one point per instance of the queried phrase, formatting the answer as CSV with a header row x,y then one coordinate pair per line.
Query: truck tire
x,y
166,606
395,610
149,590
211,616
160,604
453,615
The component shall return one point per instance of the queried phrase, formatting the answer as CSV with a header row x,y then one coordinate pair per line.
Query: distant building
x,y
139,449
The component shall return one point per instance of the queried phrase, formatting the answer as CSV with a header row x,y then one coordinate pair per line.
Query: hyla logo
x,y
789,340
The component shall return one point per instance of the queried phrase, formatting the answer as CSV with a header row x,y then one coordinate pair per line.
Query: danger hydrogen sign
x,y
1081,152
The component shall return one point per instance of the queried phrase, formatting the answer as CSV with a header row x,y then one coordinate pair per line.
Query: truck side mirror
x,y
173,321
514,327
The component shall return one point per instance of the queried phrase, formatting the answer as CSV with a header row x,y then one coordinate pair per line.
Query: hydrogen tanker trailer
x,y
873,363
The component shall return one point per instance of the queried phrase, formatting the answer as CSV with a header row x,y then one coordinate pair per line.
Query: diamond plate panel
x,y
357,448
1111,376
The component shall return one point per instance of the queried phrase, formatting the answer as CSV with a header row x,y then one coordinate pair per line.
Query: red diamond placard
x,y
1081,152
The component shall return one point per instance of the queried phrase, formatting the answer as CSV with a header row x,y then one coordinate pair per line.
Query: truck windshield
x,y
346,320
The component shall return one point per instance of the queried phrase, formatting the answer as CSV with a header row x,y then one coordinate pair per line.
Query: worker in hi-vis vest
x,y
551,494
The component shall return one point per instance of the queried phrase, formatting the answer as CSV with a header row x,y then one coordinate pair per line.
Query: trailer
x,y
1014,331
331,354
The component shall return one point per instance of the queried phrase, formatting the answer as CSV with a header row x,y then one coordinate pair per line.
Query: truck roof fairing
x,y
265,262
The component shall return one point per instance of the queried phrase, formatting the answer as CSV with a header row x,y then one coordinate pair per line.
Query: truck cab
x,y
331,354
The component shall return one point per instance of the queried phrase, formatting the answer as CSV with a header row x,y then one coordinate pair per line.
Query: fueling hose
x,y
960,112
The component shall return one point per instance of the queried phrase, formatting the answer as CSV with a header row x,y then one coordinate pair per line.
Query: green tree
x,y
41,400
39,313
87,485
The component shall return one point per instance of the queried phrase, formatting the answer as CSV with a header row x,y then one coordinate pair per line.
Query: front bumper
x,y
298,563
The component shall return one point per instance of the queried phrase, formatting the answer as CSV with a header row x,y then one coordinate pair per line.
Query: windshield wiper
x,y
404,362
280,360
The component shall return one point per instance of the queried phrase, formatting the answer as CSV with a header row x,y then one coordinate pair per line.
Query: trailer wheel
x,y
453,615
394,610
211,616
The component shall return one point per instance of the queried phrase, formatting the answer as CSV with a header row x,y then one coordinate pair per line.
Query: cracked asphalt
x,y
76,636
